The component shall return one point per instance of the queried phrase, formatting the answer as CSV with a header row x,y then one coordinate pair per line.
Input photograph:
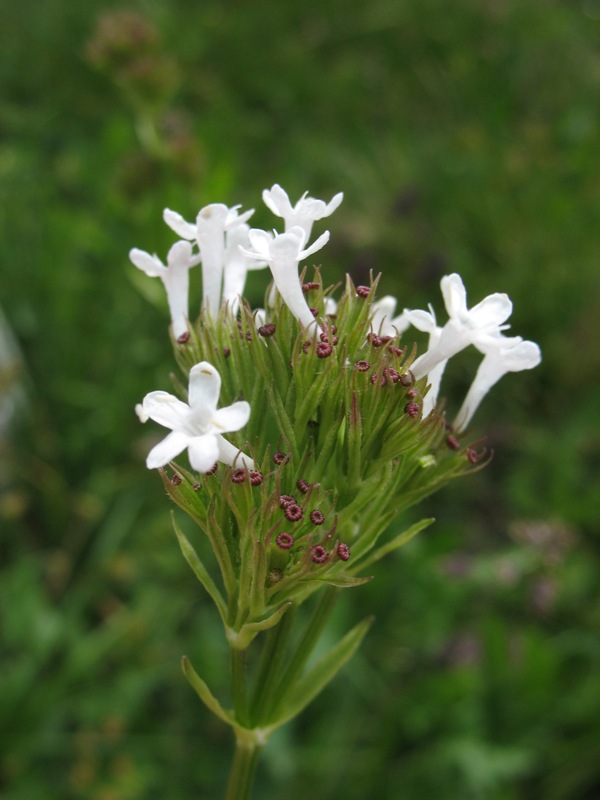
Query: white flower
x,y
383,321
505,356
211,224
197,426
478,326
306,211
282,252
425,321
175,278
236,266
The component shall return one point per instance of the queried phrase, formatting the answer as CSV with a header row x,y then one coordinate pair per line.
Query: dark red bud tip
x,y
212,470
183,338
397,351
343,551
196,487
375,340
306,287
248,336
324,350
306,346
412,409
238,475
256,477
267,330
285,500
226,352
319,555
176,479
362,366
303,485
452,442
293,512
285,541
386,339
314,311
328,339
317,517
363,291
407,379
412,393
390,374
281,458
471,455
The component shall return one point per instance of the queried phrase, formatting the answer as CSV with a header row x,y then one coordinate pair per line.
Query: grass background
x,y
465,138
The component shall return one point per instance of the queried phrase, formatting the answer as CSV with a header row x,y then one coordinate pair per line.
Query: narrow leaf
x,y
313,681
203,692
398,541
200,570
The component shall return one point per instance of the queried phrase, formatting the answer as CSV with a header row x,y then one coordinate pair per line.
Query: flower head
x,y
236,265
478,326
175,277
283,252
199,425
212,222
500,357
306,211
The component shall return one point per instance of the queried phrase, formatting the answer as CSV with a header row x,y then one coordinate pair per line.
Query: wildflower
x,y
175,278
497,361
282,252
199,425
306,211
478,326
212,222
236,265
425,321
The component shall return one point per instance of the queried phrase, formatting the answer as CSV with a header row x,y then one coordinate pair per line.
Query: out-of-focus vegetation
x,y
466,137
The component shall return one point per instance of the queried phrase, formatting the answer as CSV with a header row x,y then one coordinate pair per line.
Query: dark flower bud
x,y
285,500
306,287
412,393
285,541
183,338
176,479
453,442
412,409
226,352
472,456
314,311
375,340
324,350
212,470
362,366
303,485
407,379
319,555
267,330
317,517
306,346
343,551
256,477
293,512
238,475
280,458
397,351
363,291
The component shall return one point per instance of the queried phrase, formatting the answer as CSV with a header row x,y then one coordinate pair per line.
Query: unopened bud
x,y
285,541
306,287
319,555
293,512
285,500
362,366
303,485
176,479
267,330
363,291
343,551
412,409
280,458
324,350
183,338
256,477
317,517
452,442
238,475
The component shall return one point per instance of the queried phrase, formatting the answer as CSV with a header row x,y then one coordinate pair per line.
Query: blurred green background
x,y
466,137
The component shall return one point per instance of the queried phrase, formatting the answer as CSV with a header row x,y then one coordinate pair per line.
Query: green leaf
x,y
315,680
203,692
343,581
242,638
200,570
398,541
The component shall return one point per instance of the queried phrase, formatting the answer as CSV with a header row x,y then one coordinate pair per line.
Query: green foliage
x,y
463,141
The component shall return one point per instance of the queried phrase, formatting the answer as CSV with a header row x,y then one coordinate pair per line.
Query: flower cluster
x,y
310,425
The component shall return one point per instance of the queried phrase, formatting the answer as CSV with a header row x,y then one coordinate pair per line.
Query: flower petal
x,y
493,310
230,454
203,452
204,387
316,245
455,295
177,223
151,265
231,418
165,451
166,409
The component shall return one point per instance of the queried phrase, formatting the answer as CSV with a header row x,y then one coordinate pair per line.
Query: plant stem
x,y
241,777
239,684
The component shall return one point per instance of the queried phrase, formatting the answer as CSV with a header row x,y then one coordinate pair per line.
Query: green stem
x,y
238,685
307,643
241,776
267,679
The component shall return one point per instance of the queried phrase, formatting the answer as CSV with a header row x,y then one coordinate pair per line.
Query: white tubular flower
x,y
505,356
383,321
197,426
478,326
306,211
211,224
236,266
283,252
330,307
425,321
175,278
